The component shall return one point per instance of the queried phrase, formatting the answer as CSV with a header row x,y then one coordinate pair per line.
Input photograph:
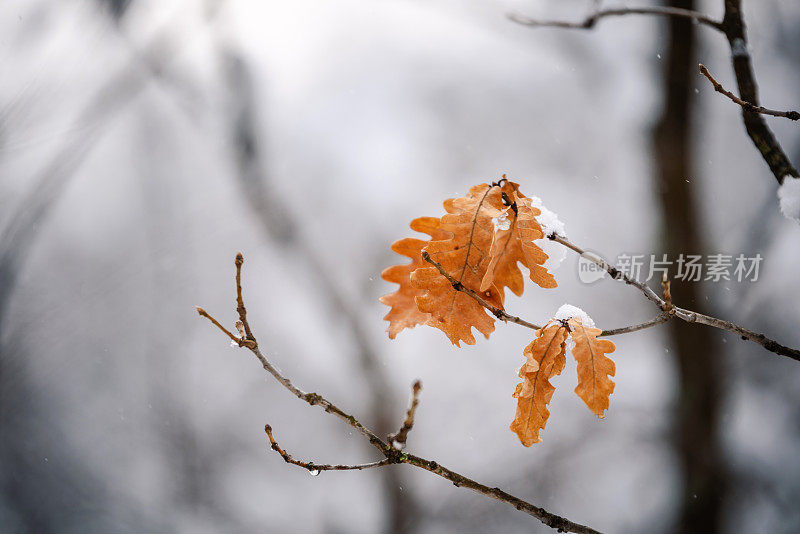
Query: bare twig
x,y
216,323
659,319
615,273
507,317
392,455
718,87
666,292
592,19
681,313
398,439
313,468
240,309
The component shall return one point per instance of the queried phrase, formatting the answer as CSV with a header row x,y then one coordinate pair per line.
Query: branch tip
x,y
314,468
398,439
745,105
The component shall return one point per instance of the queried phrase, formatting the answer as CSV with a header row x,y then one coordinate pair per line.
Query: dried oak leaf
x,y
513,243
545,359
464,256
404,312
594,367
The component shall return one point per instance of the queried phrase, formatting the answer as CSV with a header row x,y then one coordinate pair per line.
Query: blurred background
x,y
144,142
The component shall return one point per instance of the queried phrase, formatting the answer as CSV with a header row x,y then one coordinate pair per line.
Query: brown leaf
x,y
594,367
545,359
515,244
404,312
464,255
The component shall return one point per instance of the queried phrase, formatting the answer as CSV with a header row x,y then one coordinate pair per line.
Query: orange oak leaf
x,y
545,359
404,312
516,229
594,367
464,256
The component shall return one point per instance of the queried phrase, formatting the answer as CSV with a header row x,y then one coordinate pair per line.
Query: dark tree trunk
x,y
696,350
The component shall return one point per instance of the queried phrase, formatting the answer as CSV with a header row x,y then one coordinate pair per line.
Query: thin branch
x,y
240,309
718,87
591,20
666,292
460,481
311,398
398,439
664,304
681,313
458,286
615,273
216,323
394,456
660,319
313,468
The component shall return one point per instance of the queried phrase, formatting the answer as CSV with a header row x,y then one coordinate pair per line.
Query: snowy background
x,y
137,143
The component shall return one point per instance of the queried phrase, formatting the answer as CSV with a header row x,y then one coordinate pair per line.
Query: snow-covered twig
x,y
391,454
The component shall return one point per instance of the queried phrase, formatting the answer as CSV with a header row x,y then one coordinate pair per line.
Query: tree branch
x,y
681,313
398,439
792,115
313,468
240,309
590,21
392,455
664,304
762,137
659,319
